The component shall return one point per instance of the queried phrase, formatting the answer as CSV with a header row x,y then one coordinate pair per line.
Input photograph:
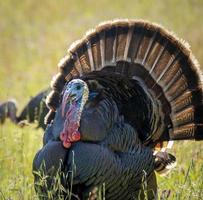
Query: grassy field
x,y
35,34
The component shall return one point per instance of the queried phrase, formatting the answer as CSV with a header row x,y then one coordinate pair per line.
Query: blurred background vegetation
x,y
34,36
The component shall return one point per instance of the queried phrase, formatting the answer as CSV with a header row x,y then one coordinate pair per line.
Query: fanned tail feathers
x,y
161,62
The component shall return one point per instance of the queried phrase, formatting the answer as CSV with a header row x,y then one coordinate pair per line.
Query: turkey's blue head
x,y
75,96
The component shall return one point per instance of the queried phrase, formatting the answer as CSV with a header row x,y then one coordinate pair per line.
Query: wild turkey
x,y
125,89
8,109
35,109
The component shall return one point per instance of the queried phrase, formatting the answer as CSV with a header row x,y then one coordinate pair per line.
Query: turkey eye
x,y
78,87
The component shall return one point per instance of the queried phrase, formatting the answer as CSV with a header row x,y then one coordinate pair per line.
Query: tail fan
x,y
147,52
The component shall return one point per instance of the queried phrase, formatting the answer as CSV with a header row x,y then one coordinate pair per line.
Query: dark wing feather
x,y
133,103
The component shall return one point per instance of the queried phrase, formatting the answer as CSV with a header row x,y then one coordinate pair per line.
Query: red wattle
x,y
70,131
75,136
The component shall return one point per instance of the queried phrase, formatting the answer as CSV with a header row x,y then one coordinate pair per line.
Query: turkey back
x,y
146,52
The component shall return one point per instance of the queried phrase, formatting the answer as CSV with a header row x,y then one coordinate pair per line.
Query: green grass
x,y
34,35
17,149
186,180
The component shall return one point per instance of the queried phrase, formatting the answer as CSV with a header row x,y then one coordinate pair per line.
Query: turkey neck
x,y
70,131
73,115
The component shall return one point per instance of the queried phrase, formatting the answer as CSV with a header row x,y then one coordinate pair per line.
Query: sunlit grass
x,y
17,149
186,180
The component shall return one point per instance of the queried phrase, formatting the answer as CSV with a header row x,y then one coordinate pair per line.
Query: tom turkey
x,y
35,110
123,90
